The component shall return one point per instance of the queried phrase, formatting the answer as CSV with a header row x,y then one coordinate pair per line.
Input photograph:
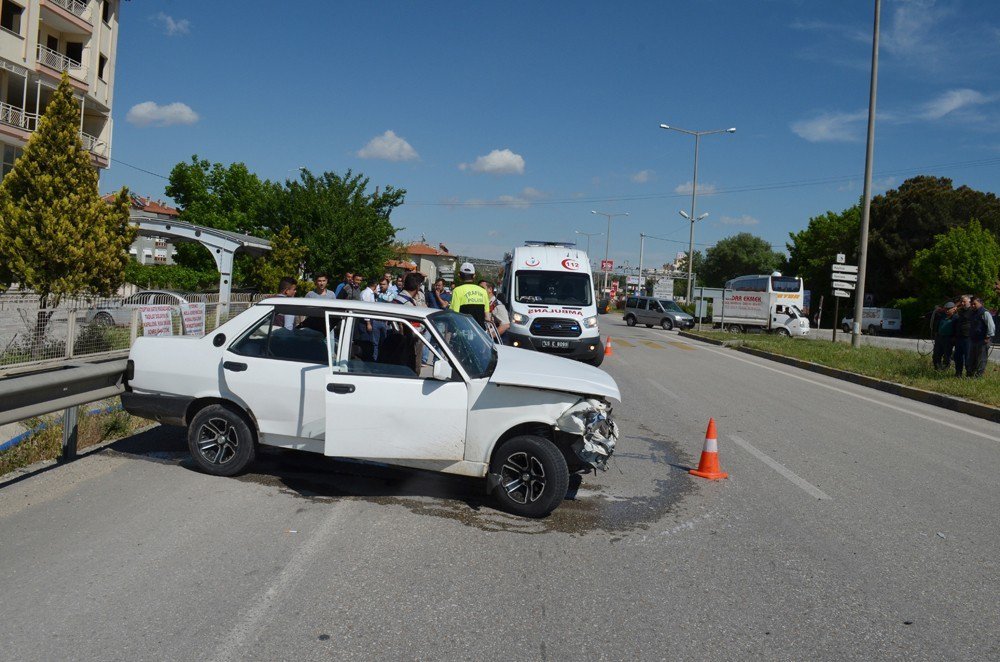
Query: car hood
x,y
525,367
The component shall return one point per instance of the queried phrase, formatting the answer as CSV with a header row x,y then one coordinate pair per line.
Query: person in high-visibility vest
x,y
468,297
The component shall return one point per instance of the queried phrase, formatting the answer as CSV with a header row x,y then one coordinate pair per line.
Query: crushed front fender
x,y
590,420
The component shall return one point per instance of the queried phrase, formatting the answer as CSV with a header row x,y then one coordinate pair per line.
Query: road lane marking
x,y
682,345
621,341
653,344
780,468
903,410
250,621
663,388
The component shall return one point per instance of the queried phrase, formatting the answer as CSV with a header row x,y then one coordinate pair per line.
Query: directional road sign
x,y
842,293
848,268
851,277
844,286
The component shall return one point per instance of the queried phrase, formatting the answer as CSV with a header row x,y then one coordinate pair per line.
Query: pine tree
x,y
57,236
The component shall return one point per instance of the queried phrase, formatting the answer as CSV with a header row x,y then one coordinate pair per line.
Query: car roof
x,y
349,304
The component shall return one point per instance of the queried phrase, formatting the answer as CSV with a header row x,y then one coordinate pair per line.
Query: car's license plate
x,y
555,344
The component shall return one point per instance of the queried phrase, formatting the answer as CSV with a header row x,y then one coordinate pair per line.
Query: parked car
x,y
876,321
429,390
120,314
650,311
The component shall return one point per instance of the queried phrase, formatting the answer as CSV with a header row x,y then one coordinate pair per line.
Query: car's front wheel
x,y
533,477
220,441
667,324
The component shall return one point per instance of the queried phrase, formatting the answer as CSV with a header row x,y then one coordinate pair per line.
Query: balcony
x,y
19,118
72,6
55,60
68,16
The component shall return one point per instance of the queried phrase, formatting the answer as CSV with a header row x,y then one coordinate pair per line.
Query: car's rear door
x,y
388,406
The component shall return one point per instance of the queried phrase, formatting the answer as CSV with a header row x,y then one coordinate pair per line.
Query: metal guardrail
x,y
63,388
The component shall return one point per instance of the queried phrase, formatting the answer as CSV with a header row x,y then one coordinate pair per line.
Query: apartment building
x,y
39,39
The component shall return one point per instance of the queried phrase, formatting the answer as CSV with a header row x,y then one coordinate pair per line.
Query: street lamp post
x,y
589,235
694,189
607,243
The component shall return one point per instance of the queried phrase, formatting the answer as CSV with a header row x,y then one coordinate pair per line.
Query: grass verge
x,y
894,365
44,441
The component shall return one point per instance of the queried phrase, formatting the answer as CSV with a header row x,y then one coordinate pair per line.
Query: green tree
x,y
908,219
285,259
812,251
738,255
222,197
965,260
343,226
57,236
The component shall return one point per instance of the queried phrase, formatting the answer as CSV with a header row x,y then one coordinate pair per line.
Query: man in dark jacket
x,y
944,335
982,329
963,328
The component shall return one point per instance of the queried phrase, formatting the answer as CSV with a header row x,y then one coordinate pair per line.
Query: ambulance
x,y
548,289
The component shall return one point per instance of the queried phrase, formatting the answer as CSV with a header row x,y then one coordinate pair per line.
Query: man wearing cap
x,y
468,297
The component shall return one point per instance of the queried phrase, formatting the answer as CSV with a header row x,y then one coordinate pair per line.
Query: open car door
x,y
382,400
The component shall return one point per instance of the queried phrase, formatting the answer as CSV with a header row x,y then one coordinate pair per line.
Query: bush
x,y
914,322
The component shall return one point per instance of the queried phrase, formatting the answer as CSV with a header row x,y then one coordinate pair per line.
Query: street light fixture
x,y
694,190
589,235
607,243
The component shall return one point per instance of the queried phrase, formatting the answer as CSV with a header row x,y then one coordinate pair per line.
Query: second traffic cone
x,y
607,348
708,467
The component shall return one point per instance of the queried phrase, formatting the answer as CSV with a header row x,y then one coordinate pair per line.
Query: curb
x,y
927,397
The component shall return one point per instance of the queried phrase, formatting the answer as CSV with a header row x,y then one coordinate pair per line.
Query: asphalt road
x,y
854,525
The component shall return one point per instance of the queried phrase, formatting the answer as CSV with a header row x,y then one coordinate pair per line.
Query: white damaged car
x,y
382,382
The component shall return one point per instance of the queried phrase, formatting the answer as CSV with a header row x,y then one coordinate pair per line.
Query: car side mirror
x,y
442,371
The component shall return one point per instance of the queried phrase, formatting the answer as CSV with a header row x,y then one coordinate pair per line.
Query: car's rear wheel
x,y
104,319
872,330
667,324
734,328
846,328
220,441
630,320
533,476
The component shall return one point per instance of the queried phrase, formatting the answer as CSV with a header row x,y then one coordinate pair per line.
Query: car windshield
x,y
467,341
670,305
554,288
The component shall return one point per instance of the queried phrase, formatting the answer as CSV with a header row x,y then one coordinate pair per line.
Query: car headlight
x,y
518,318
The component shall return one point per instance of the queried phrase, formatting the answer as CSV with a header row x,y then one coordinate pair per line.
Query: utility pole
x,y
607,243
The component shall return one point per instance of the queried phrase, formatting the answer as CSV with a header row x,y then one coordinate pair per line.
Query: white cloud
x,y
523,200
951,101
173,26
642,176
497,162
909,29
531,193
745,219
149,113
703,188
831,127
388,147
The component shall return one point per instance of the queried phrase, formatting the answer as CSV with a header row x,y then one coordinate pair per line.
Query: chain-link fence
x,y
33,336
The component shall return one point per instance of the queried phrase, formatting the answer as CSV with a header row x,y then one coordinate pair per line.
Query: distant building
x,y
433,262
150,250
39,39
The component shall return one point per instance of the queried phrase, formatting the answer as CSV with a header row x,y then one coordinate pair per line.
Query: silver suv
x,y
650,311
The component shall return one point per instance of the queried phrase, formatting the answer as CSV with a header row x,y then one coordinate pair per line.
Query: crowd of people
x,y
475,298
962,332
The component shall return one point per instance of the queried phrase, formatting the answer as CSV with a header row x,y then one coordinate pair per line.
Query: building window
x,y
106,12
101,63
74,50
52,43
10,154
10,16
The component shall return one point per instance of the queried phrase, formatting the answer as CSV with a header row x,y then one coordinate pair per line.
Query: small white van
x,y
549,290
876,321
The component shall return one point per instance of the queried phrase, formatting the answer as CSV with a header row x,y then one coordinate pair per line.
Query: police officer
x,y
468,297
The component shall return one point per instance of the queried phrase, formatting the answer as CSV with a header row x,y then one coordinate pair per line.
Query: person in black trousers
x,y
963,328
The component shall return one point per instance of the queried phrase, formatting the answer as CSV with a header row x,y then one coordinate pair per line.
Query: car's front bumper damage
x,y
590,420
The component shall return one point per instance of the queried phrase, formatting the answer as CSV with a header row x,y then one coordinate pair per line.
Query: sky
x,y
512,121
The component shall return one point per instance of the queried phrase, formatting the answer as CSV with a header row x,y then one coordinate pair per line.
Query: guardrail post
x,y
70,332
69,434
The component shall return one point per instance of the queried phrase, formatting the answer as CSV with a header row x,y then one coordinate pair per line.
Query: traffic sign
x,y
851,277
842,293
849,268
607,265
844,286
841,258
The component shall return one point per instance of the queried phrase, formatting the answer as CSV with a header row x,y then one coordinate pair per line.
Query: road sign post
x,y
844,278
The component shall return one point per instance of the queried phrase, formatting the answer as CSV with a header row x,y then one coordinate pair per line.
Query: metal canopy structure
x,y
222,244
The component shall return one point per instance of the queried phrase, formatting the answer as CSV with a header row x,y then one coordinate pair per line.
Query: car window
x,y
270,338
391,349
671,305
631,302
467,341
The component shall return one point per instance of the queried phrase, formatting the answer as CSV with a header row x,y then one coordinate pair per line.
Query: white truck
x,y
549,290
876,321
740,311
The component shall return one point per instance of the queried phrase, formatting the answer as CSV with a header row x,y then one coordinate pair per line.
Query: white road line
x,y
664,389
780,468
910,412
250,621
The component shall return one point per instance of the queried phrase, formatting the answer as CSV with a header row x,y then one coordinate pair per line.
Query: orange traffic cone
x,y
607,348
709,465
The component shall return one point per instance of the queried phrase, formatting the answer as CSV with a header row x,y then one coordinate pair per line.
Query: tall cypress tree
x,y
57,236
